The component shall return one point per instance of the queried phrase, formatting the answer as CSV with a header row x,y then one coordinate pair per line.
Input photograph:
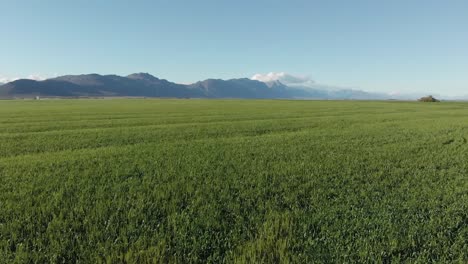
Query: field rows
x,y
233,181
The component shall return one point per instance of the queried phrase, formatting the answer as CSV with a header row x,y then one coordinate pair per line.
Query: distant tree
x,y
428,98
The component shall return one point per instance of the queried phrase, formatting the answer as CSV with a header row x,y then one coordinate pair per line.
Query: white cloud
x,y
283,77
35,76
296,81
5,79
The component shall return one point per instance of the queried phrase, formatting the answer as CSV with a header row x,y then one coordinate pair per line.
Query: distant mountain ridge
x,y
147,85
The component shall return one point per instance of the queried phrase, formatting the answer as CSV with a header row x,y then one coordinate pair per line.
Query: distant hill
x,y
147,85
97,85
239,88
324,92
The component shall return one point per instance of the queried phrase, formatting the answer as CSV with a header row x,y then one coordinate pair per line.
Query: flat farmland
x,y
243,181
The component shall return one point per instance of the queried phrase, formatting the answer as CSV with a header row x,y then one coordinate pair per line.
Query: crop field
x,y
233,181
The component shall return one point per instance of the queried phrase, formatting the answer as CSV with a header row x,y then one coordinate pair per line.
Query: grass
x,y
245,181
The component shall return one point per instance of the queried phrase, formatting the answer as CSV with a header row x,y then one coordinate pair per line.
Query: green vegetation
x,y
233,181
428,98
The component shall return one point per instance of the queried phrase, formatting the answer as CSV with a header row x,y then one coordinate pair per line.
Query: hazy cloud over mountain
x,y
283,77
38,77
317,90
4,79
296,81
35,76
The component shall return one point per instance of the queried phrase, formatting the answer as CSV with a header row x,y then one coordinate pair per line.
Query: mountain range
x,y
146,85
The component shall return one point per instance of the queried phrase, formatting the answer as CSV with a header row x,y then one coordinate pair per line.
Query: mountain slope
x,y
132,85
96,85
239,88
31,88
141,84
146,85
325,92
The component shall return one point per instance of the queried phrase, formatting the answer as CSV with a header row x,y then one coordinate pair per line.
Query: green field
x,y
248,181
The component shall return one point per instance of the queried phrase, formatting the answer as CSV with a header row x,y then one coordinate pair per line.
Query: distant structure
x,y
38,98
428,98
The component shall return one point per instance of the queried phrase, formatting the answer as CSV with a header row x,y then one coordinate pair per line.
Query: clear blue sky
x,y
391,45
